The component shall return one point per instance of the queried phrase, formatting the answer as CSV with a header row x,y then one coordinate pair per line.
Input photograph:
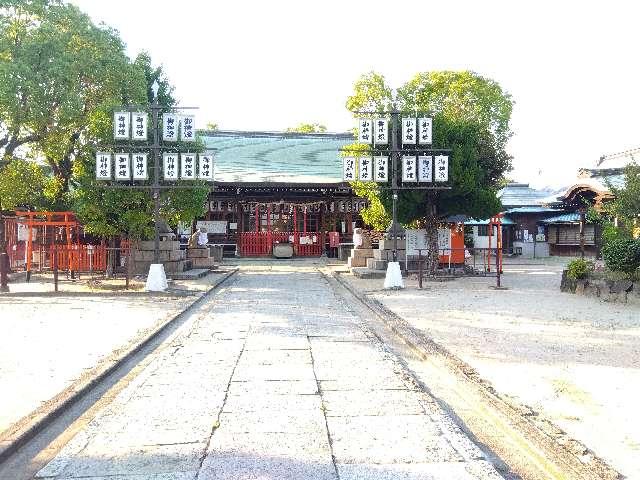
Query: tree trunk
x,y
431,228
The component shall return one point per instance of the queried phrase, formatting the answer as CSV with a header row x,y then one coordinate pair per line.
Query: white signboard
x,y
121,125
365,130
123,166
444,241
139,126
169,127
205,167
425,126
349,169
213,226
380,169
416,239
139,165
103,166
425,168
409,170
188,166
188,128
366,169
442,168
170,166
409,134
381,131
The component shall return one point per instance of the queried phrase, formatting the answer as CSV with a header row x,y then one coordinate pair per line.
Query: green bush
x,y
579,268
622,255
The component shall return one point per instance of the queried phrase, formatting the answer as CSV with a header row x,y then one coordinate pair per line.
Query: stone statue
x,y
199,238
361,239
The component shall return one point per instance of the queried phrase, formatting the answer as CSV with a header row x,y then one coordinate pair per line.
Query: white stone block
x,y
394,276
156,279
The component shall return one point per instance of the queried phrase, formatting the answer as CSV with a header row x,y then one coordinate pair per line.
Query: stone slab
x,y
208,263
190,274
197,253
356,262
164,245
365,272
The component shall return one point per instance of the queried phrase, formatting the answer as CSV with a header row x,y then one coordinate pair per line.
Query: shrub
x,y
579,268
622,255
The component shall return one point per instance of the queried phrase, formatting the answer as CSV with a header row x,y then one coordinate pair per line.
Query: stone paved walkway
x,y
274,379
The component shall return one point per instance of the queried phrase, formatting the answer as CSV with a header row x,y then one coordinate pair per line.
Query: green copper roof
x,y
276,157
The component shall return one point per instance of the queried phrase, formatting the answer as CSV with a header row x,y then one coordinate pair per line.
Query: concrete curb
x,y
26,428
547,432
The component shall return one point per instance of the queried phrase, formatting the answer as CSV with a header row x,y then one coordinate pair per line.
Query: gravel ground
x,y
575,359
47,342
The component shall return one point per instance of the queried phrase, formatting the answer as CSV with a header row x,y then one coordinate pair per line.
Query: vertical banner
x,y
121,125
409,169
409,131
381,131
442,168
123,166
365,130
425,168
139,166
349,169
425,126
139,126
188,128
366,169
188,166
170,166
169,127
103,166
205,167
380,173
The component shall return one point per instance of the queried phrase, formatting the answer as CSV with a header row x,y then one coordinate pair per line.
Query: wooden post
x,y
420,268
128,267
304,221
257,213
29,248
582,222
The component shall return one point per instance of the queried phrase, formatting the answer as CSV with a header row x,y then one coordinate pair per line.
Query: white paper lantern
x,y
103,166
409,170
121,125
409,133
425,168
123,166
169,127
381,173
170,166
139,126
139,166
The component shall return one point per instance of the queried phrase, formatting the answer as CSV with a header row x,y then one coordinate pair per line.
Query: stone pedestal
x,y
170,255
200,258
358,257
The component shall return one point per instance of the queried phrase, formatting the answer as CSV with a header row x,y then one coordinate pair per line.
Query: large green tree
x,y
59,73
471,116
626,206
61,77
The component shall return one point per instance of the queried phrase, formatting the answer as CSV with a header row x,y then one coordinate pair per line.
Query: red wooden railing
x,y
258,244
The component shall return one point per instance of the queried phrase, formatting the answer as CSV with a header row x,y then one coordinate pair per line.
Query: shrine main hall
x,y
273,187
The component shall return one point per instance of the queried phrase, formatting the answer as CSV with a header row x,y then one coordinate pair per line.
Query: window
x,y
483,230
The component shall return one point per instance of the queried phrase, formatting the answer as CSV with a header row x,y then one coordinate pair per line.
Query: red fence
x,y
258,244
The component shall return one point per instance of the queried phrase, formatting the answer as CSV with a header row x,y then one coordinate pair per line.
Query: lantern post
x,y
403,143
156,279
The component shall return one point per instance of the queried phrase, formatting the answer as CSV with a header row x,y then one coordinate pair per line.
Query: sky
x,y
571,66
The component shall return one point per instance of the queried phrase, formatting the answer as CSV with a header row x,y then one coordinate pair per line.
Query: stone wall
x,y
621,291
